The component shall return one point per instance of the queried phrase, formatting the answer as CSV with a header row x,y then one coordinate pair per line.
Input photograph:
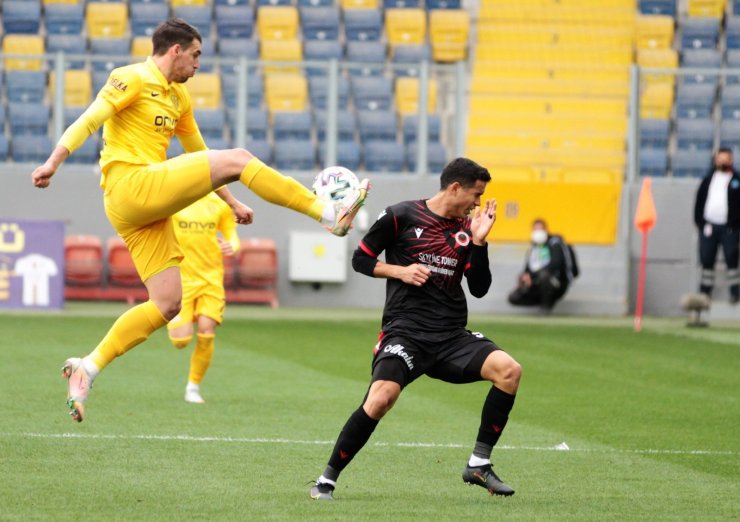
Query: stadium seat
x,y
654,133
277,22
401,4
208,53
410,127
689,163
21,16
658,58
146,17
28,119
291,125
255,89
407,59
83,260
25,86
121,269
234,21
405,26
105,53
290,51
67,44
320,23
77,87
4,147
88,152
181,3
707,8
205,90
695,100
31,149
315,3
260,149
658,7
211,122
106,20
370,54
321,51
295,155
318,90
730,102
23,44
729,134
141,47
699,33
199,16
286,92
448,34
257,267
99,80
359,4
384,156
732,32
363,24
348,154
64,18
407,95
701,58
71,114
653,162
655,32
436,157
372,92
236,48
695,134
346,125
442,4
377,125
257,124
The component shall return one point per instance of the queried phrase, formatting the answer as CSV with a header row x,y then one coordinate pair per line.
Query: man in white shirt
x,y
717,216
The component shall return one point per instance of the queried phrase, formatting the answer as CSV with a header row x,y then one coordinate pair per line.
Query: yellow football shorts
x,y
140,200
203,299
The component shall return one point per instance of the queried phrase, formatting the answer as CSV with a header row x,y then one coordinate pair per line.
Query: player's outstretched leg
x,y
346,209
78,387
485,477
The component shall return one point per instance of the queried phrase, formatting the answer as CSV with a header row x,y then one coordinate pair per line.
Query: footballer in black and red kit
x,y
429,245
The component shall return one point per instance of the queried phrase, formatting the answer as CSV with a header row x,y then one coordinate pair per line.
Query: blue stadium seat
x,y
99,78
372,92
653,162
654,133
274,2
68,44
260,149
695,100
436,157
88,151
236,48
363,24
390,4
315,3
64,18
442,4
257,124
21,16
111,48
232,2
199,16
211,122
346,125
71,114
348,154
701,58
27,118
412,55
658,7
255,89
318,89
732,32
699,33
689,163
293,125
3,147
730,102
377,125
733,61
144,18
175,148
295,155
729,134
410,127
320,23
148,2
234,21
31,149
217,143
383,156
371,54
2,118
321,51
25,86
695,134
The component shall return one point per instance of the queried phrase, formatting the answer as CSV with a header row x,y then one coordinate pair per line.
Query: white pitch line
x,y
260,440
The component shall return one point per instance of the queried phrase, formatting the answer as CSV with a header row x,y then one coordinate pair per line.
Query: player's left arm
x,y
477,268
227,226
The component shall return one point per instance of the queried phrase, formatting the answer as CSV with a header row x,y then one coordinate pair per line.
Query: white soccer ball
x,y
333,183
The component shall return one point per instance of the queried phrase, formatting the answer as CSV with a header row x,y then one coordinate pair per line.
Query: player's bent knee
x,y
383,395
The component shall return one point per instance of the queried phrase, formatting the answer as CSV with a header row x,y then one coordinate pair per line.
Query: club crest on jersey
x,y
418,231
175,101
461,239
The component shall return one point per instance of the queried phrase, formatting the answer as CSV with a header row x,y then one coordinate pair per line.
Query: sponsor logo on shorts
x,y
398,349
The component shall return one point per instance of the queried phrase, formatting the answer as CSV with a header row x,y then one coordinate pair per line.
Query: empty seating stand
x,y
256,273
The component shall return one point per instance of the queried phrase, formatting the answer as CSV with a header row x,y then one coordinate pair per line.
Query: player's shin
x,y
494,417
353,437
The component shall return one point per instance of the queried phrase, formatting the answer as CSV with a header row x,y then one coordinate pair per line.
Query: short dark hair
x,y
465,171
540,221
173,31
726,150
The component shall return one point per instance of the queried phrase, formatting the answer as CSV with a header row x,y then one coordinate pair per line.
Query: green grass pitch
x,y
652,421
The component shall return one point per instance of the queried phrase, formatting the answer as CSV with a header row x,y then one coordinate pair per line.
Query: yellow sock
x,y
201,358
130,329
281,190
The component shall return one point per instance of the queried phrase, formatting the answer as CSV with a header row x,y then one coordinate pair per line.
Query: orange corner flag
x,y
645,215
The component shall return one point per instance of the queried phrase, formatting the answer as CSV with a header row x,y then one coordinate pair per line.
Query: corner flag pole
x,y
645,217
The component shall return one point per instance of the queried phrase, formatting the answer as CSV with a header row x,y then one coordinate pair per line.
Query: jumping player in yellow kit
x,y
197,228
142,106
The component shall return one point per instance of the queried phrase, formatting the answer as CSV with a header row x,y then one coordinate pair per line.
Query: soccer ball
x,y
333,183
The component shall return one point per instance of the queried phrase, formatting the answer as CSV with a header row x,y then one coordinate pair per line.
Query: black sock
x,y
352,438
493,419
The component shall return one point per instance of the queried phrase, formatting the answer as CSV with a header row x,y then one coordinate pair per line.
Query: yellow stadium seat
x,y
405,26
359,4
539,80
655,32
407,95
658,58
106,20
205,90
277,22
286,92
533,33
23,44
180,3
605,13
709,8
656,101
77,87
141,47
552,105
448,33
281,51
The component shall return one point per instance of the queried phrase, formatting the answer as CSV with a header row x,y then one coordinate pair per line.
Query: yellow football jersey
x,y
197,228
